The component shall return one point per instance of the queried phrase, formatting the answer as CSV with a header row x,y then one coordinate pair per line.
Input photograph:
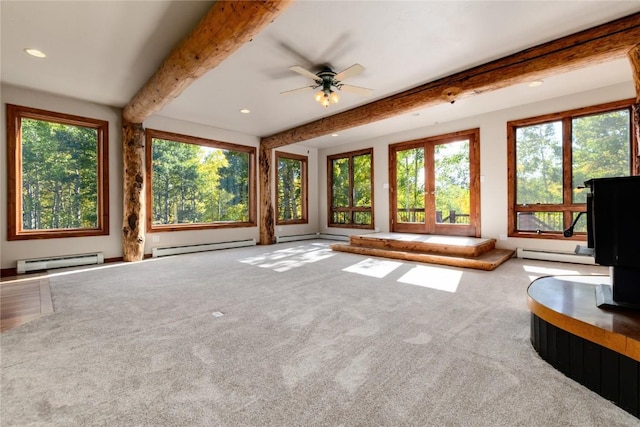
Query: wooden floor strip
x,y
23,300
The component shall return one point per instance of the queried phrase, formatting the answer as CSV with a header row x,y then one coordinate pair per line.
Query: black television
x,y
613,232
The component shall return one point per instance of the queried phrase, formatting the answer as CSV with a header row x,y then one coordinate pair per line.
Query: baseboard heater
x,y
325,236
33,264
333,237
296,237
204,247
555,256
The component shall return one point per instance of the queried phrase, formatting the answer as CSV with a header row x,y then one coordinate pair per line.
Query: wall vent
x,y
204,247
555,256
33,264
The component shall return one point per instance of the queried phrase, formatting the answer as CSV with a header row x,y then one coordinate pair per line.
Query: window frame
x,y
567,207
304,161
351,209
15,114
187,139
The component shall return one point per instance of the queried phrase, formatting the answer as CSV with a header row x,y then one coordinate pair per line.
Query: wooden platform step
x,y
431,243
466,252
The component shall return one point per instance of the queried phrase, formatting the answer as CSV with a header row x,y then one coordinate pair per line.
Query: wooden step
x,y
485,261
425,243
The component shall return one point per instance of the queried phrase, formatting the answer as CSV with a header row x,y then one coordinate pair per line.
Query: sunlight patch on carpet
x,y
373,267
442,279
290,258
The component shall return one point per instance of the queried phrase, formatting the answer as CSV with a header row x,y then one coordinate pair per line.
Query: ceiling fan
x,y
328,80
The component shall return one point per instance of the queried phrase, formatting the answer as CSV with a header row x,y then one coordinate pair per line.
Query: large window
x,y
195,183
291,188
551,157
351,189
57,166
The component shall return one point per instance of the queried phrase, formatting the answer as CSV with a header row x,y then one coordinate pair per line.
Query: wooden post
x,y
133,207
634,59
267,220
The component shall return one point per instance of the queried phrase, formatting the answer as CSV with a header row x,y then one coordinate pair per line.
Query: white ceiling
x,y
104,51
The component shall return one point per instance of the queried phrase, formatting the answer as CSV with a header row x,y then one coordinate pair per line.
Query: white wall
x,y
111,245
493,169
493,164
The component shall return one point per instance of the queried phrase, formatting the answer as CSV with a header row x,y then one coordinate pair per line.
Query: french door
x,y
435,185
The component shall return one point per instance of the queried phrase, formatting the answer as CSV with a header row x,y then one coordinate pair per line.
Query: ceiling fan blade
x,y
300,89
357,90
298,69
354,70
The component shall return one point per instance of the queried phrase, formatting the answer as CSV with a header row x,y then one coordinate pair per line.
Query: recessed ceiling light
x,y
334,134
35,52
535,83
245,111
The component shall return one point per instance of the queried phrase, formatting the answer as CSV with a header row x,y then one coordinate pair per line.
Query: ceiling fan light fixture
x,y
35,52
326,80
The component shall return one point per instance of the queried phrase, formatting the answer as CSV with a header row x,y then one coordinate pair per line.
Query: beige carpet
x,y
307,337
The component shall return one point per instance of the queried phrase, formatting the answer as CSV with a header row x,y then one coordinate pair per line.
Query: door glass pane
x,y
410,185
539,164
452,182
600,149
289,189
362,180
340,180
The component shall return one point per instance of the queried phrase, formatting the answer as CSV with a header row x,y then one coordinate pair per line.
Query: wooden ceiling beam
x,y
225,28
605,42
634,60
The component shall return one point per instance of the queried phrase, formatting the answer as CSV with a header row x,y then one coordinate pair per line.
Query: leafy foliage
x,y
410,173
290,189
451,163
599,147
351,189
452,181
340,182
539,164
362,180
59,176
197,184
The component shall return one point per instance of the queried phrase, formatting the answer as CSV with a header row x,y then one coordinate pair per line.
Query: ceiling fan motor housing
x,y
326,79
